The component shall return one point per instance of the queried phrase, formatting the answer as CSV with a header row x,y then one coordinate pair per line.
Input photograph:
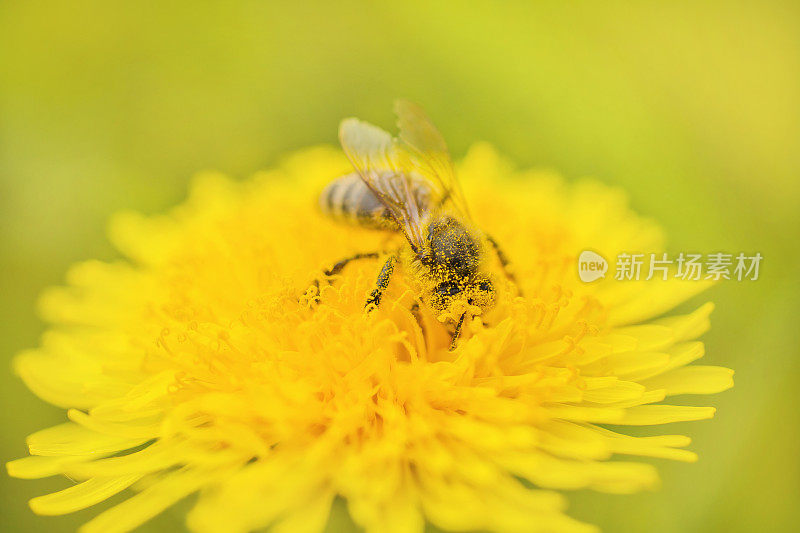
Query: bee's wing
x,y
387,172
425,146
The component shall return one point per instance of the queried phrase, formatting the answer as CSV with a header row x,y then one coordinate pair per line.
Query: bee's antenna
x,y
457,332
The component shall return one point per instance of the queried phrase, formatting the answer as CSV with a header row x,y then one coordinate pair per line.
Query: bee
x,y
407,184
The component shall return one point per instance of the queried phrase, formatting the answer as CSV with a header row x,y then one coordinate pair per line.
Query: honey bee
x,y
407,184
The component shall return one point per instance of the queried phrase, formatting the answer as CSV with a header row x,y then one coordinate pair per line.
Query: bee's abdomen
x,y
348,199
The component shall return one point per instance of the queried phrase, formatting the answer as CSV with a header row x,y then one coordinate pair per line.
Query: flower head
x,y
200,364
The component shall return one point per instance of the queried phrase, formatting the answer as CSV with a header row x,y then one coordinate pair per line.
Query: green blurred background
x,y
693,108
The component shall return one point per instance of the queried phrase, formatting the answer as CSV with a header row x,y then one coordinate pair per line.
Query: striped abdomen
x,y
348,199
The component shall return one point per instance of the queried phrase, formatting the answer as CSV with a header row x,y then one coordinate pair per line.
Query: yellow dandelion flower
x,y
192,367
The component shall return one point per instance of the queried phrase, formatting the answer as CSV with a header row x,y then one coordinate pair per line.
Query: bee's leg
x,y
339,266
457,332
504,262
415,312
375,296
336,268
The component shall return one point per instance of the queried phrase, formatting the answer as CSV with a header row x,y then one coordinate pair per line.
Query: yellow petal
x,y
38,466
677,356
607,476
694,379
662,446
311,517
602,415
653,298
683,354
81,496
618,392
664,414
628,365
571,440
72,439
691,326
649,337
155,457
143,506
145,430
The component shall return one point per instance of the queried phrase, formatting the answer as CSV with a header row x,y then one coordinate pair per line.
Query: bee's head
x,y
477,290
